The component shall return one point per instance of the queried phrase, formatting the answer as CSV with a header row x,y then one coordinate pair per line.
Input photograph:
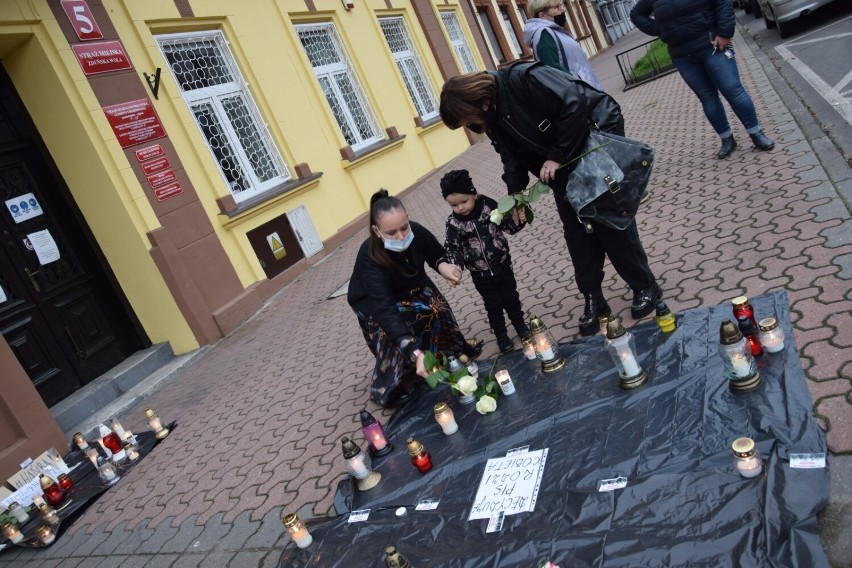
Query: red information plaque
x,y
157,165
101,57
162,178
134,122
82,20
170,190
149,152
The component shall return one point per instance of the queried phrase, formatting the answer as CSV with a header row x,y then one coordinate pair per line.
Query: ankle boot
x,y
728,146
596,307
504,344
761,141
644,301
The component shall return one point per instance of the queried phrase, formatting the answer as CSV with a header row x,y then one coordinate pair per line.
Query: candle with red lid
x,y
743,308
421,459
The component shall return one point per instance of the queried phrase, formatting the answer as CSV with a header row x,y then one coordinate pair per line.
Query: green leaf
x,y
506,204
529,214
432,380
459,373
429,360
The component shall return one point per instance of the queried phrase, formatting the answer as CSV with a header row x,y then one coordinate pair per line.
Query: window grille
x,y
225,112
340,85
410,67
462,49
511,30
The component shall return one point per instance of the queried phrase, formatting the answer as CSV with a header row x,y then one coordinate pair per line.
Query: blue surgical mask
x,y
397,245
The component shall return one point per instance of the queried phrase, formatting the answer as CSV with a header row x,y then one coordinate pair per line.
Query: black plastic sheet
x,y
684,504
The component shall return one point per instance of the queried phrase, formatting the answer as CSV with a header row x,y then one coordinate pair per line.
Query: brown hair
x,y
463,97
381,203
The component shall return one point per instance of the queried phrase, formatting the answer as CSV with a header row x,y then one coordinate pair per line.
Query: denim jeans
x,y
710,73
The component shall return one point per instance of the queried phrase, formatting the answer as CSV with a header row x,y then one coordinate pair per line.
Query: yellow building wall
x,y
56,94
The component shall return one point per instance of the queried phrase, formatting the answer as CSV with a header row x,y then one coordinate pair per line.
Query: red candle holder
x,y
113,442
53,494
65,482
421,459
742,307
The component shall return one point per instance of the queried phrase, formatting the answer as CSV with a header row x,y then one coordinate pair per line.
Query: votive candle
x,y
444,417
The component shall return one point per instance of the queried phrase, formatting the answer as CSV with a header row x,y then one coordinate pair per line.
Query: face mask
x,y
397,245
560,20
489,115
475,127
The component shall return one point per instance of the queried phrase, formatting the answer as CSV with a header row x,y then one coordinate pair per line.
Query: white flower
x,y
466,385
496,217
486,404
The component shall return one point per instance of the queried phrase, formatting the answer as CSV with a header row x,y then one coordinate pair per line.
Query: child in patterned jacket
x,y
475,243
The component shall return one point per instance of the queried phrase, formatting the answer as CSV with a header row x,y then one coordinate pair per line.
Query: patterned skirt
x,y
429,318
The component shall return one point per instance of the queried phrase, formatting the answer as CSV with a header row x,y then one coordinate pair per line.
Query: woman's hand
x,y
721,43
548,171
421,368
451,273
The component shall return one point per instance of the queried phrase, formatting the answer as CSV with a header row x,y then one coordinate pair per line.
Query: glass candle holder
x,y
374,434
622,349
117,428
10,531
529,348
546,348
108,472
359,466
156,424
49,514
38,501
45,534
750,333
56,461
394,559
473,370
131,451
92,454
454,364
505,381
771,336
53,493
297,530
19,512
742,307
665,318
113,443
80,441
421,459
740,368
65,482
747,458
444,417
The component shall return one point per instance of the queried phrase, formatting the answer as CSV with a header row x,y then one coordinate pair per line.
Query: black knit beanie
x,y
457,181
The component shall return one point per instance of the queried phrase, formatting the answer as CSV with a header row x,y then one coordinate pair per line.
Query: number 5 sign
x,y
82,20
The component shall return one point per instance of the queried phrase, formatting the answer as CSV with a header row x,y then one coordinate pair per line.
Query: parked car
x,y
779,13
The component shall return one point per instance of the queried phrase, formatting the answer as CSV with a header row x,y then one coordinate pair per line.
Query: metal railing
x,y
627,62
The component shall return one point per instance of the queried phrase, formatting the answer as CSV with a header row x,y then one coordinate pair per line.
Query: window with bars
x,y
225,112
496,49
504,12
458,41
410,67
340,85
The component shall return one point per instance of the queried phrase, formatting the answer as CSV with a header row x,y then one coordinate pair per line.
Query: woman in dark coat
x,y
537,119
698,34
399,309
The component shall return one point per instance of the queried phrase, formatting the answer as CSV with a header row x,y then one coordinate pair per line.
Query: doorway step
x,y
119,388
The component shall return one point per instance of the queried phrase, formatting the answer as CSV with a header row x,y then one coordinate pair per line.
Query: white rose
x,y
466,385
496,217
486,404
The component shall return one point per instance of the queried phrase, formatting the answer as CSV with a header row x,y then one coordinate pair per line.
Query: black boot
x,y
644,301
728,145
505,344
522,329
596,307
761,141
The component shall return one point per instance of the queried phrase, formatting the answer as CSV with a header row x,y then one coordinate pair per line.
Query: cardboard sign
x,y
32,471
24,495
101,57
134,122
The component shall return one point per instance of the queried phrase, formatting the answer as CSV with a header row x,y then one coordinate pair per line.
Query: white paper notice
x,y
24,495
23,207
44,246
807,461
509,485
359,516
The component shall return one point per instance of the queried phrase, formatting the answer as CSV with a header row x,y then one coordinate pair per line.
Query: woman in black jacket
x,y
698,34
400,310
538,118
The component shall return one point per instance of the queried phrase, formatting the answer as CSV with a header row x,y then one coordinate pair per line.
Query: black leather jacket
x,y
686,26
544,114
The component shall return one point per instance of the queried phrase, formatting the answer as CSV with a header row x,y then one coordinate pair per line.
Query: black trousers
x,y
589,250
500,292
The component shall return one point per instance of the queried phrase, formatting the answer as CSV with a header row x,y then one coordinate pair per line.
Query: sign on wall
x,y
24,207
134,122
101,57
82,20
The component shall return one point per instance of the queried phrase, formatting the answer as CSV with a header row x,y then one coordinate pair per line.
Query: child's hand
x,y
520,215
451,273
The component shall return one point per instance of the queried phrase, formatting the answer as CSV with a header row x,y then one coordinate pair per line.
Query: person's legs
x,y
511,300
587,256
489,288
697,78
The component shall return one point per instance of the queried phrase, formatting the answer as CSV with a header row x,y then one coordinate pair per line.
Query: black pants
x,y
588,251
500,292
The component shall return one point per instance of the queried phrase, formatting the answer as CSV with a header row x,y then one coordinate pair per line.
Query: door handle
x,y
77,351
32,274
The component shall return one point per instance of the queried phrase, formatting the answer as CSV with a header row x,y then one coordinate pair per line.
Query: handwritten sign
x,y
24,495
33,469
509,485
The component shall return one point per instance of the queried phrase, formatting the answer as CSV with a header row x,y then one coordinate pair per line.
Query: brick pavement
x,y
262,413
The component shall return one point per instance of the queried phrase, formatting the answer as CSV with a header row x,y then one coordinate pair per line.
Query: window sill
x,y
428,125
239,213
373,151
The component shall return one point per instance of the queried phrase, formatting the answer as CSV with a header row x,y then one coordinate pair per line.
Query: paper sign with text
x,y
24,495
509,485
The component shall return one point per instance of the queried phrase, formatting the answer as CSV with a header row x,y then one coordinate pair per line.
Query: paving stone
x,y
123,561
248,559
162,560
219,558
163,532
270,532
184,536
89,545
190,560
135,538
212,534
242,528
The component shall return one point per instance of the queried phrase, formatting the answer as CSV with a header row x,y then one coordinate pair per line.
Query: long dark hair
x,y
463,97
380,204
